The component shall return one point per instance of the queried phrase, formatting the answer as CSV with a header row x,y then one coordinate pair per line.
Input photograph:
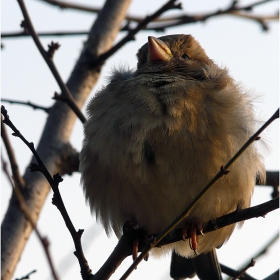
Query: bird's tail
x,y
206,266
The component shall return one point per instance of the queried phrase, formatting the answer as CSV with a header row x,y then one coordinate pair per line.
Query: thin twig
x,y
24,208
138,19
262,20
27,24
12,158
223,171
171,4
9,35
28,103
260,253
158,24
241,215
27,275
57,199
125,244
242,271
232,272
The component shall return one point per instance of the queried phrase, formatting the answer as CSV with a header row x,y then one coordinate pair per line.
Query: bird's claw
x,y
191,232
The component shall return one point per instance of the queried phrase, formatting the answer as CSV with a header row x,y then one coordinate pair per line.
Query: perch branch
x,y
125,244
223,171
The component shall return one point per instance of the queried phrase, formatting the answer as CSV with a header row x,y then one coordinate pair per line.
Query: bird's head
x,y
172,53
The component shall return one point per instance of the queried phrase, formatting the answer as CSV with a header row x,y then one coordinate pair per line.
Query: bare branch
x,y
171,4
17,187
125,244
47,55
90,66
262,20
27,275
9,35
232,8
242,271
57,199
13,162
28,103
158,24
240,215
232,272
223,171
68,5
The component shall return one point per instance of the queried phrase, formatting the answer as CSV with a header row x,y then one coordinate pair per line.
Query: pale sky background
x,y
252,58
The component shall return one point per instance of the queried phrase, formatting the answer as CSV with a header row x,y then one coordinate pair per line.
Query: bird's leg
x,y
130,227
138,236
185,231
190,230
135,248
193,239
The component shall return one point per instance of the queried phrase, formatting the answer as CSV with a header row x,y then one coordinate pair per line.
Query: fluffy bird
x,y
155,136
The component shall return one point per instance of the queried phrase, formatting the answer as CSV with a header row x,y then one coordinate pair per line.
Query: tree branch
x,y
57,199
240,215
17,187
232,272
232,8
28,103
243,270
223,171
12,158
171,4
158,24
48,55
9,35
26,276
125,244
260,253
120,251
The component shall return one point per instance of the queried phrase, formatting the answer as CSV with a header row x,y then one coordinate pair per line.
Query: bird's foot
x,y
135,248
138,236
131,226
191,233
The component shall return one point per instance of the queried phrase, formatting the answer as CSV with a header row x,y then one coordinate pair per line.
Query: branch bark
x,y
15,228
125,244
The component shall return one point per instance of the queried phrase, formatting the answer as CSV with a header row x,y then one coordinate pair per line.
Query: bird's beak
x,y
158,50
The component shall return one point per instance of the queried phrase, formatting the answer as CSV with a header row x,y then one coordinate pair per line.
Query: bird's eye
x,y
185,57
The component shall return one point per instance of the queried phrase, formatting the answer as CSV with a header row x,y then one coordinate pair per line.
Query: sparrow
x,y
156,135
